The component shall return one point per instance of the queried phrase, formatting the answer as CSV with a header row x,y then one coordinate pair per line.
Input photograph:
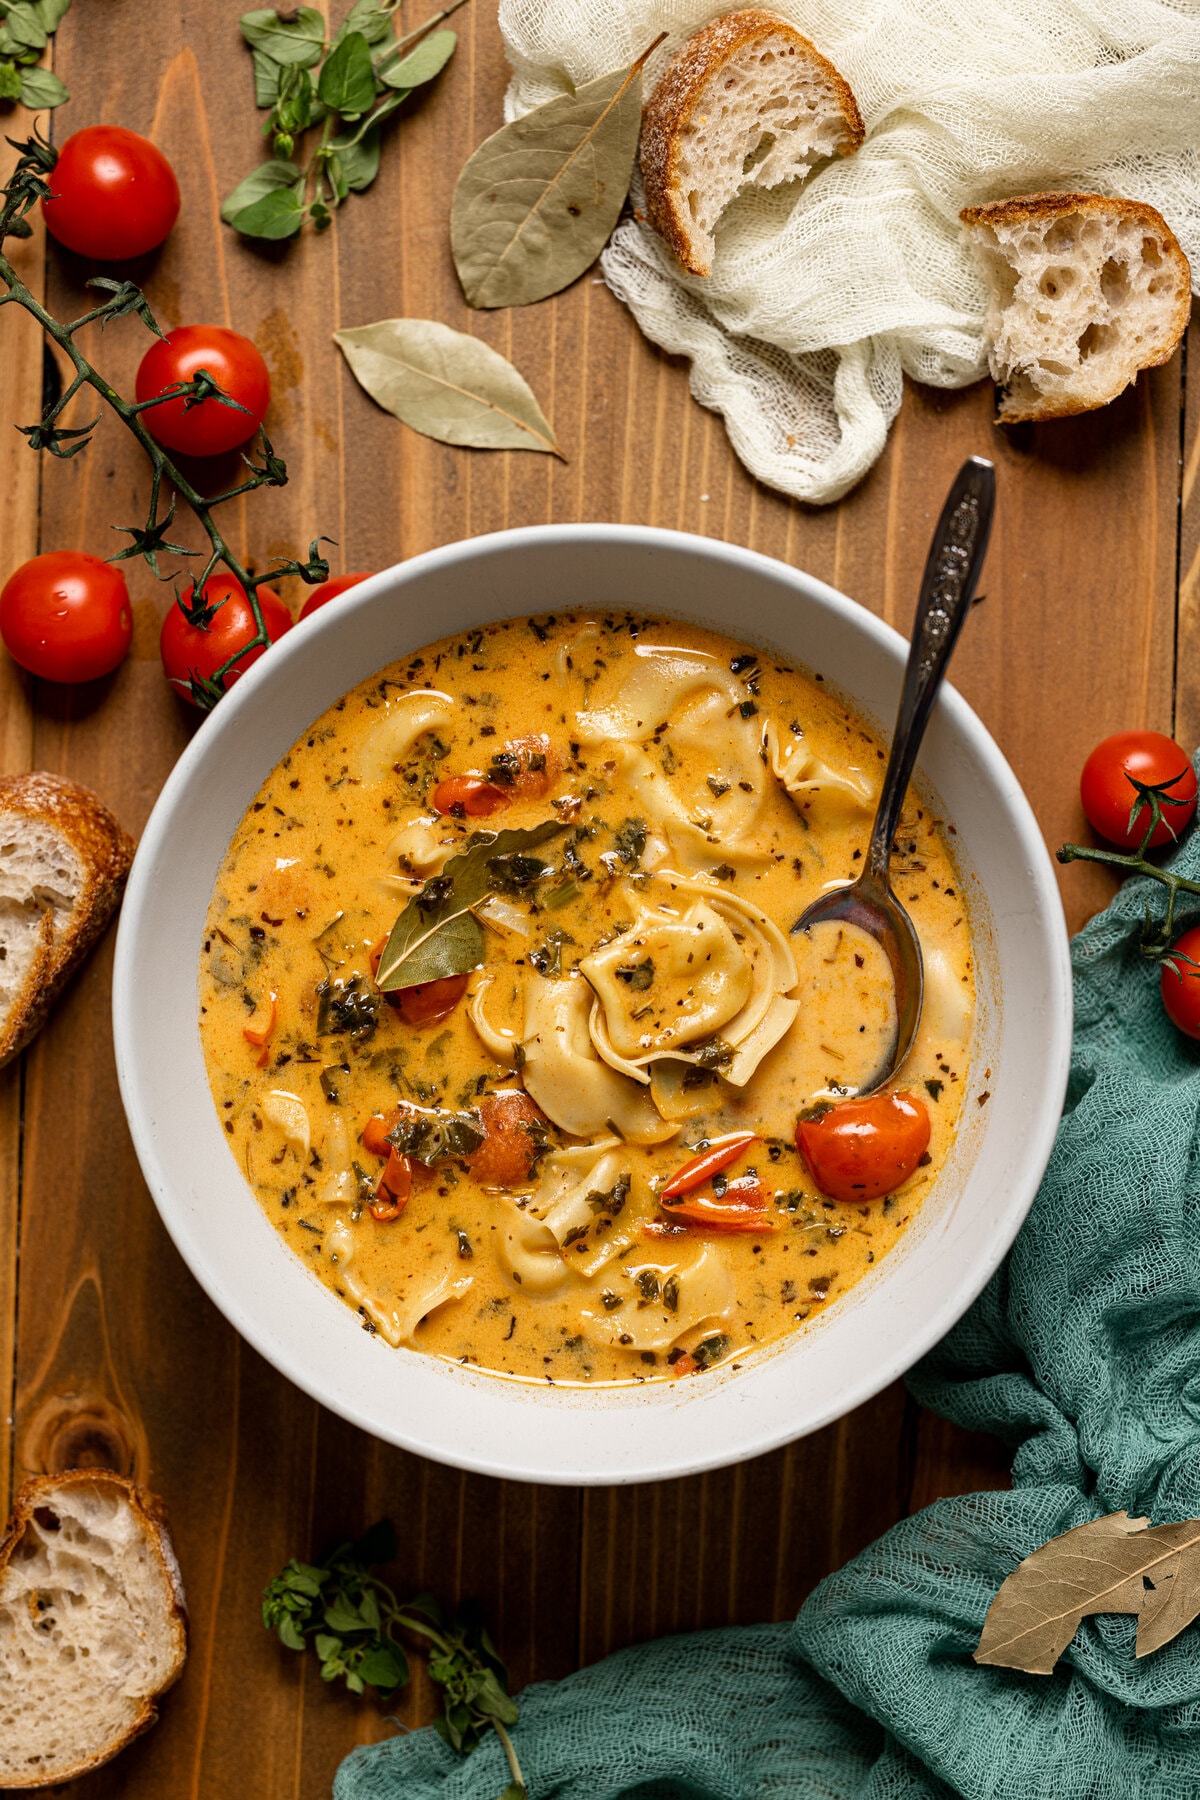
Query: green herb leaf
x,y
24,27
385,1666
422,64
446,385
10,81
41,87
266,78
367,17
355,164
268,178
51,13
294,105
441,911
276,215
347,81
300,38
536,203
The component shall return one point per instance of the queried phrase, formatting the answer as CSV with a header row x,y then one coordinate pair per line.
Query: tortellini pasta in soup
x,y
506,1021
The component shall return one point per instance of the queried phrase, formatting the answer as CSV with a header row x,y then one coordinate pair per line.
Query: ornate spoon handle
x,y
947,590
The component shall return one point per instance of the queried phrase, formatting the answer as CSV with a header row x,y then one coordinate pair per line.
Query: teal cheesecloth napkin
x,y
1084,1355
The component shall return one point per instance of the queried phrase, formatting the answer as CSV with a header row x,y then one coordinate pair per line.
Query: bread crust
x,y
670,107
151,1514
1040,209
105,851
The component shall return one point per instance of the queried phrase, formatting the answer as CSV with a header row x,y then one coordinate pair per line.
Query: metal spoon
x,y
947,590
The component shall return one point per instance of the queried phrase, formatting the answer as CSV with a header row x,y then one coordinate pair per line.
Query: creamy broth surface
x,y
637,994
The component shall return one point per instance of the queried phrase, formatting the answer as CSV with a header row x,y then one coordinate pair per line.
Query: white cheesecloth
x,y
823,292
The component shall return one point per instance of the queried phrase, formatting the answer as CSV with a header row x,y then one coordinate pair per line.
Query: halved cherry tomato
x,y
375,1138
740,1207
260,1035
685,1365
329,590
1109,795
395,1186
515,1131
427,1003
525,767
430,1001
467,796
863,1149
710,1162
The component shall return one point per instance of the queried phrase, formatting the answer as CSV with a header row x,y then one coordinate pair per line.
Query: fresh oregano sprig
x,y
29,183
350,1618
26,27
1149,799
346,86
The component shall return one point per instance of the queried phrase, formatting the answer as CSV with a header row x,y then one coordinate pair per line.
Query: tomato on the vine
x,y
862,1149
202,631
205,427
1180,977
329,590
114,194
1109,795
66,616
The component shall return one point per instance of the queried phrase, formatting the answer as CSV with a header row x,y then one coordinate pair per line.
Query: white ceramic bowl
x,y
507,1428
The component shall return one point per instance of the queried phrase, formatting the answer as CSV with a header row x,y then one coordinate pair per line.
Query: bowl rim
x,y
139,896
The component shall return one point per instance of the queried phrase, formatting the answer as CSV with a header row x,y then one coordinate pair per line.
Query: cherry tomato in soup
x,y
526,767
1108,795
66,616
113,194
1181,983
863,1149
431,1001
515,1131
199,634
206,427
329,590
468,796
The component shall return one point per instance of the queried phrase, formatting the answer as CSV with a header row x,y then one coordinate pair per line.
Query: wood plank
x,y
20,401
119,1357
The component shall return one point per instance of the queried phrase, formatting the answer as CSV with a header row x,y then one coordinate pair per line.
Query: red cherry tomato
x,y
431,1001
1181,983
114,194
863,1149
329,590
514,1130
206,427
1108,795
66,616
197,645
468,796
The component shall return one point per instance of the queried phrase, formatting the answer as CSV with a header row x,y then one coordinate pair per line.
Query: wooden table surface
x,y
117,1358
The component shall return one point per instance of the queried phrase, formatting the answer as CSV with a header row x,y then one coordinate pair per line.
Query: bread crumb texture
x,y
747,102
63,863
92,1624
1084,291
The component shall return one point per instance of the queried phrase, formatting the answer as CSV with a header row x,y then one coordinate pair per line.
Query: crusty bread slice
x,y
93,1626
1086,290
747,102
63,863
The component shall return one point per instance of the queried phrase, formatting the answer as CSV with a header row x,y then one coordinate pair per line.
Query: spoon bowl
x,y
947,592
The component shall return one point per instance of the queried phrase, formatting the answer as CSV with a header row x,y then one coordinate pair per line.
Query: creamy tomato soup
x,y
509,1028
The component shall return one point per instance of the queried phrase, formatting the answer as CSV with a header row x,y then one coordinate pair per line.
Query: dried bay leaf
x,y
437,934
446,385
535,205
1110,1565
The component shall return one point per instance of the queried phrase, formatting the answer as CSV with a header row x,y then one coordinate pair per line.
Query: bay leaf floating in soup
x,y
505,940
